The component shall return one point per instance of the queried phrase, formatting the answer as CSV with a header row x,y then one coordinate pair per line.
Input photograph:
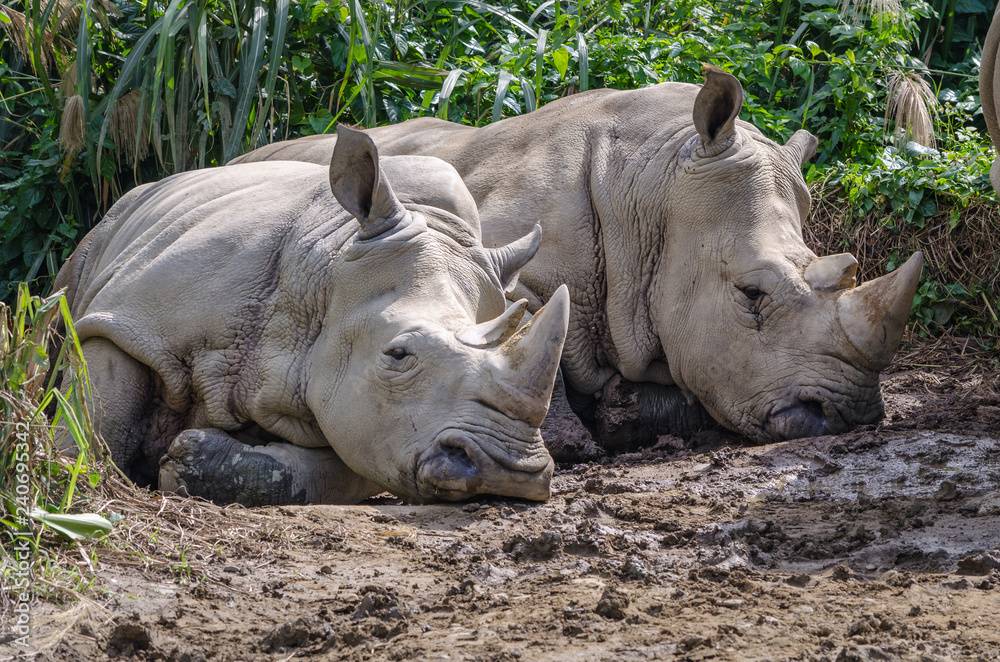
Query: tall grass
x,y
40,487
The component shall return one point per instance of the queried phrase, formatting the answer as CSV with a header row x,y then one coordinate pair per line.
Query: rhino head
x,y
776,342
422,379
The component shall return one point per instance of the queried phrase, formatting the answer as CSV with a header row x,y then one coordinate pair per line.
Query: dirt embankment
x,y
881,544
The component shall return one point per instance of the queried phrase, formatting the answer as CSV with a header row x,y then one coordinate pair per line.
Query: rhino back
x,y
557,166
208,278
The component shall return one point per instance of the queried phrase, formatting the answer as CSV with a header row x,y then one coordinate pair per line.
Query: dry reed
x,y
912,105
71,131
131,140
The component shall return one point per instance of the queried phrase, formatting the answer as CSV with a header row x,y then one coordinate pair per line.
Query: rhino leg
x,y
565,435
122,390
630,414
211,464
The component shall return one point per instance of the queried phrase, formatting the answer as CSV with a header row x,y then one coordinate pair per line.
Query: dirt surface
x,y
880,544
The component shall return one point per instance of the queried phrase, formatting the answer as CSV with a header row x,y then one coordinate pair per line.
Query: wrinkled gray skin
x,y
989,92
678,229
250,340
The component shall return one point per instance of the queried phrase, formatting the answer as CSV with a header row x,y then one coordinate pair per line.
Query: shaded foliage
x,y
192,83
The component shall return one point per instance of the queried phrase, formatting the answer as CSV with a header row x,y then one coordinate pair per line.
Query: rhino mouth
x,y
812,415
457,467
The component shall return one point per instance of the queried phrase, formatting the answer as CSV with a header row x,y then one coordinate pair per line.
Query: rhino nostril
x,y
804,418
459,460
812,409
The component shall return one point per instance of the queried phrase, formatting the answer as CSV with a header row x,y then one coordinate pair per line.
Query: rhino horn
x,y
874,315
508,260
832,272
529,359
716,108
495,331
360,186
802,145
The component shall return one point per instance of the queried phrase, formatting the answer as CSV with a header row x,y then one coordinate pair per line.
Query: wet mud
x,y
880,544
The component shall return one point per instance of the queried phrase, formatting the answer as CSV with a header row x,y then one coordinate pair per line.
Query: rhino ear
x,y
360,185
802,145
509,259
716,108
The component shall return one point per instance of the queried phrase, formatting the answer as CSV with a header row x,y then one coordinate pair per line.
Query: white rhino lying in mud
x,y
248,341
678,229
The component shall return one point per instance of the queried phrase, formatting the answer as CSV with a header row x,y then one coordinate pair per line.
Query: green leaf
x,y
94,479
252,56
74,527
446,89
560,58
502,84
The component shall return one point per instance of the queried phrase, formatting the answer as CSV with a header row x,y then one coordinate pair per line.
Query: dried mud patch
x,y
881,544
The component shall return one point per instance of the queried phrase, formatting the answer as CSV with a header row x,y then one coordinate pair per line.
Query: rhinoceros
x,y
291,333
989,92
678,229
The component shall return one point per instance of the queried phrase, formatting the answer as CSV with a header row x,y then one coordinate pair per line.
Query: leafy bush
x,y
194,82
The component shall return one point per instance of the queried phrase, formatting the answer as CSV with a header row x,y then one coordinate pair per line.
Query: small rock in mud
x,y
127,638
870,624
543,546
693,641
862,654
959,585
379,602
979,564
947,492
798,581
989,506
295,635
612,604
842,573
633,568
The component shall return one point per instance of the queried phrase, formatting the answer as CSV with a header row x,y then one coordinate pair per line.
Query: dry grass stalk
x,y
912,105
18,32
883,10
72,129
68,12
131,140
67,88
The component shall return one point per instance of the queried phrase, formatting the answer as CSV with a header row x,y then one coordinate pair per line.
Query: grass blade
x,y
581,45
542,7
253,57
502,84
539,60
446,89
502,13
277,49
528,93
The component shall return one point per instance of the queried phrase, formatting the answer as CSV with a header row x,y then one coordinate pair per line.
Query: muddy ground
x,y
881,544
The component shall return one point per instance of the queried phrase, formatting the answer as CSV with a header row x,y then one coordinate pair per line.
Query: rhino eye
x,y
752,292
398,353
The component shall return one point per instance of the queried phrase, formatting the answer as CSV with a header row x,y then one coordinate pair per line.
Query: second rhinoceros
x,y
249,340
678,229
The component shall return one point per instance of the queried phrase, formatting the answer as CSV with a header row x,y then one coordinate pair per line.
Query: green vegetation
x,y
38,484
100,96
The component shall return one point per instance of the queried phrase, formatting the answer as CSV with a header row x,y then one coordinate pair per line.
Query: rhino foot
x,y
630,414
212,465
